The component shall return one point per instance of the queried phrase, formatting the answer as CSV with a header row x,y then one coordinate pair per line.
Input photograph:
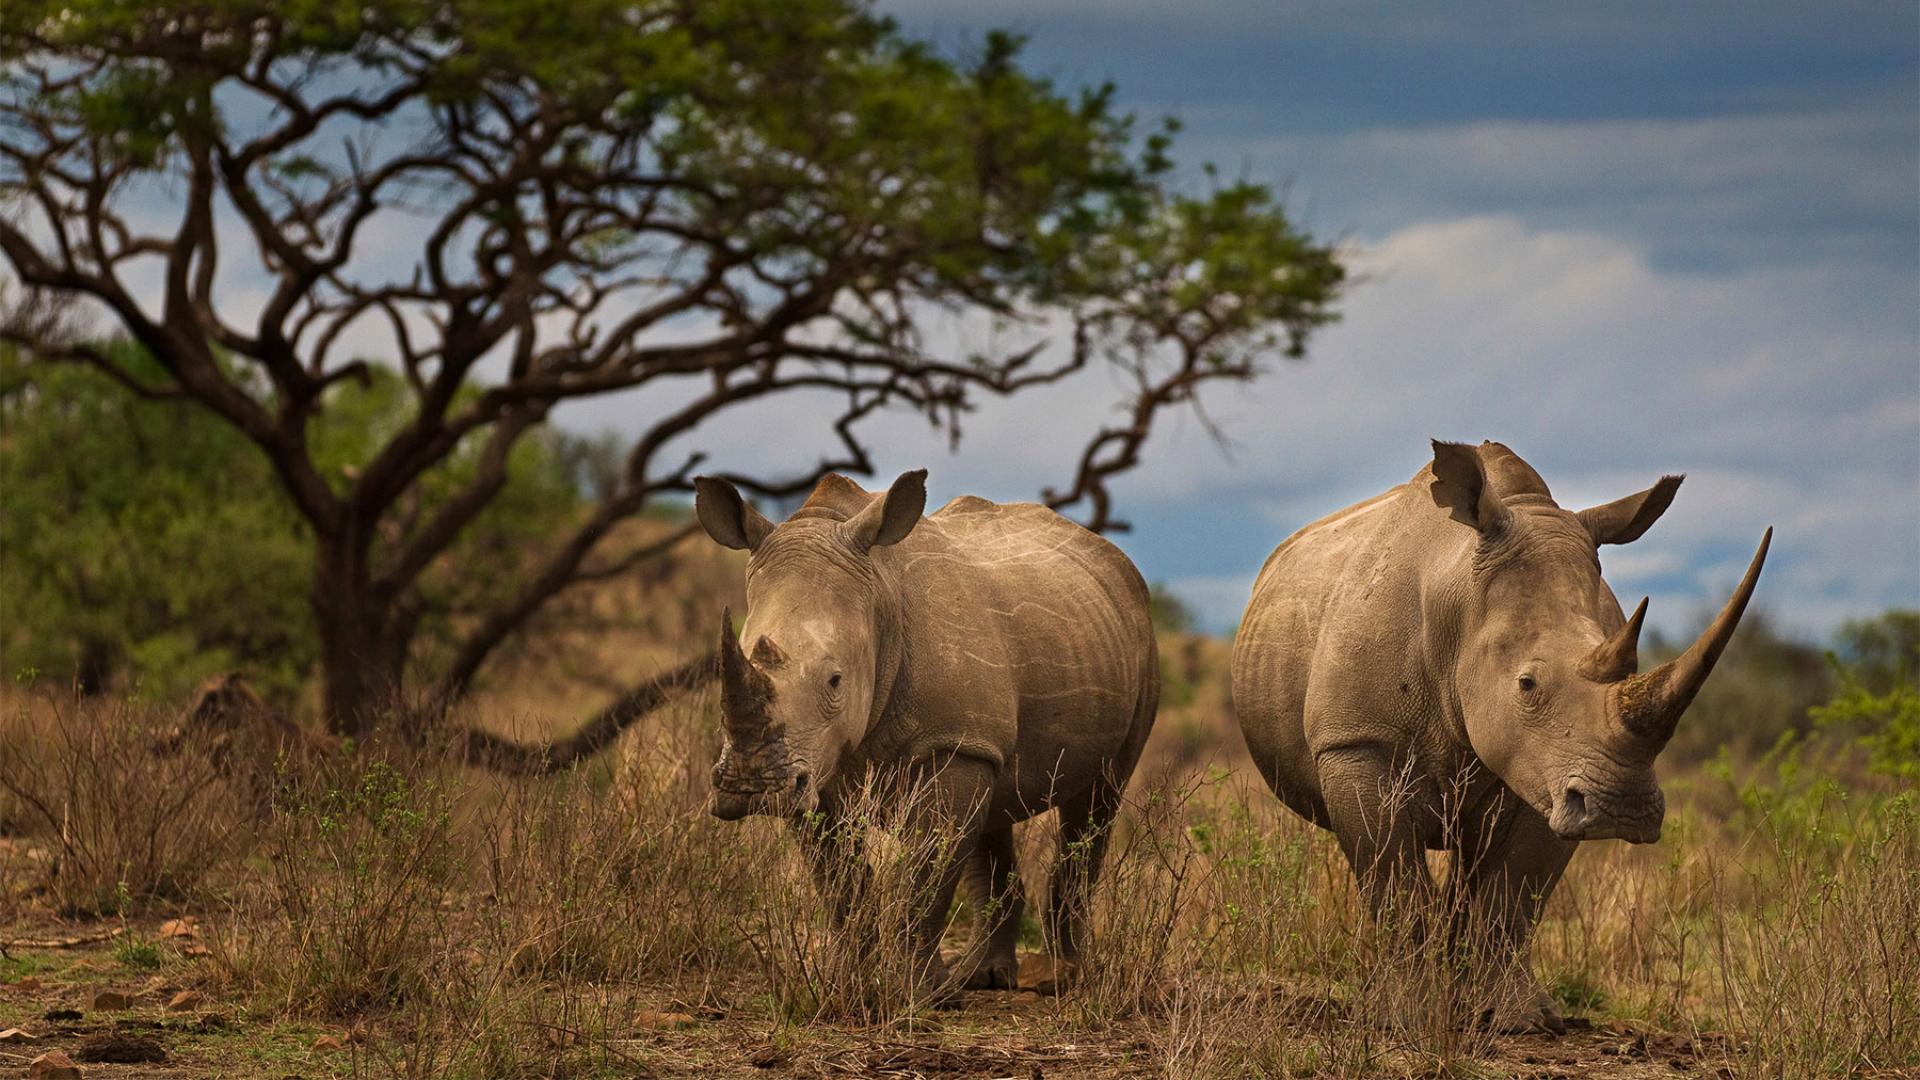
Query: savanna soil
x,y
152,988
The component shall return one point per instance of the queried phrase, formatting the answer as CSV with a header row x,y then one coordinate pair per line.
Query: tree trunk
x,y
360,661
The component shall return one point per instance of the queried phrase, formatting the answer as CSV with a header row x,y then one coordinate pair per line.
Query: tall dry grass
x,y
121,819
476,927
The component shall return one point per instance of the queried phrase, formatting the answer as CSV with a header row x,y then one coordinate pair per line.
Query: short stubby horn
x,y
1619,656
745,691
1650,705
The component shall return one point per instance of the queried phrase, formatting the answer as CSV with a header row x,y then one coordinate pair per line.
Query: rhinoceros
x,y
1000,654
1441,667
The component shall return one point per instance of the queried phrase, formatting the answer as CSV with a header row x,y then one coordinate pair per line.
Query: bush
x,y
141,538
1877,667
149,542
130,820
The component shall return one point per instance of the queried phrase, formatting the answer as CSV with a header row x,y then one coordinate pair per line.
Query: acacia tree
x,y
516,204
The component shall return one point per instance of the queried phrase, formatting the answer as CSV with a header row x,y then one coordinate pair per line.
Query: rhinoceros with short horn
x,y
1441,667
1001,654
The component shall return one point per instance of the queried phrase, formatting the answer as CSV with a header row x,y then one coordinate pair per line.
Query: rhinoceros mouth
x,y
782,792
1583,811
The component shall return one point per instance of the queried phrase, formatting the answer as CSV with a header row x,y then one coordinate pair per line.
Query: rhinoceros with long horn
x,y
1441,667
1000,654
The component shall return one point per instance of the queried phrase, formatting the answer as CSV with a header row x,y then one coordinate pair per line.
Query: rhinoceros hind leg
x,y
1086,819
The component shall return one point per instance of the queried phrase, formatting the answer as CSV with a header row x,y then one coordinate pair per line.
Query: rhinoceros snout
x,y
1581,813
779,792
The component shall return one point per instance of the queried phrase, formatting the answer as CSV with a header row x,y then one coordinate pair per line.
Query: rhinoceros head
x,y
799,685
1548,676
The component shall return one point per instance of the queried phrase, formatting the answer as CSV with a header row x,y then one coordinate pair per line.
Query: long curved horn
x,y
1619,656
1650,705
745,690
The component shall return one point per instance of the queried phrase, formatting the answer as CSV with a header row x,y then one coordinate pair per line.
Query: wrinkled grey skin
x,y
999,653
1450,645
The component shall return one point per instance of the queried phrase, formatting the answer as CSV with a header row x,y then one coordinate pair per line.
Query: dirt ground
x,y
170,1020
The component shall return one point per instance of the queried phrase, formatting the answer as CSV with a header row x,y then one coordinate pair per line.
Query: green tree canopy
x,y
150,540
531,202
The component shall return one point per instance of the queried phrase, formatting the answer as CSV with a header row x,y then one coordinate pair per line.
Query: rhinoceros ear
x,y
726,516
1622,521
888,519
1460,487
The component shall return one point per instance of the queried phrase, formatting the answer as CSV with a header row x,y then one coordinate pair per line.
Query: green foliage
x,y
149,539
1760,691
140,536
1171,615
1878,699
139,953
786,127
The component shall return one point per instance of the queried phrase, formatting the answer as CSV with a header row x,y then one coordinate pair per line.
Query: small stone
x,y
186,1001
769,1057
662,1021
111,1001
53,1065
15,1035
157,986
122,1049
1042,974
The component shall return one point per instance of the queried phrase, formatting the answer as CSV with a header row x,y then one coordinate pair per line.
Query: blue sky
x,y
1626,239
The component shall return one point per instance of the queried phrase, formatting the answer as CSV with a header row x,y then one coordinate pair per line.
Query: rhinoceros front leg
x,y
957,793
993,889
1509,875
836,856
1368,807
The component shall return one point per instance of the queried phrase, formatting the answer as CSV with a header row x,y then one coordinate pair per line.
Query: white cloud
x,y
1766,387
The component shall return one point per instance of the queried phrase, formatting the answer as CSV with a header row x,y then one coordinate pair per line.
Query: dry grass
x,y
121,824
451,924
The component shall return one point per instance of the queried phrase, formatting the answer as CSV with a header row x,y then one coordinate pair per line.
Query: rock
x,y
15,1035
122,1049
662,1021
180,928
186,1001
157,986
1042,974
769,1057
111,1001
53,1065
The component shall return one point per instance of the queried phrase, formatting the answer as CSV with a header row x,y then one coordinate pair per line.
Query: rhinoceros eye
x,y
833,681
1527,684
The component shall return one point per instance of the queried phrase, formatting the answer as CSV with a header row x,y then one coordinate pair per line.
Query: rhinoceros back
x,y
1044,632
